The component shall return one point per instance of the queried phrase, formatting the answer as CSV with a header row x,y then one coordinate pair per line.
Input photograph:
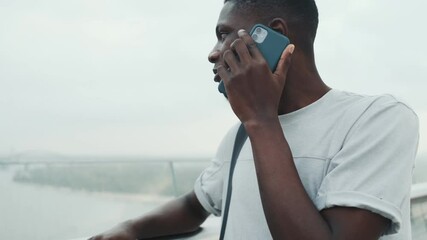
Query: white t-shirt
x,y
350,150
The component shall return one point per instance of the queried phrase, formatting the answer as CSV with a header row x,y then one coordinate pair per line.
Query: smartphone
x,y
271,45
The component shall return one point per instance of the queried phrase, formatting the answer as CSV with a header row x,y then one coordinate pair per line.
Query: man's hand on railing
x,y
122,231
182,215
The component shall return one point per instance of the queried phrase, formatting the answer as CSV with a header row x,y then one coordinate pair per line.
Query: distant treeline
x,y
134,177
137,178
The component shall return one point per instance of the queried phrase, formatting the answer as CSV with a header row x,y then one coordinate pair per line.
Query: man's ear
x,y
279,25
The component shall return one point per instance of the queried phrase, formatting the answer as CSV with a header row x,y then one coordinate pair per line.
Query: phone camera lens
x,y
255,37
258,30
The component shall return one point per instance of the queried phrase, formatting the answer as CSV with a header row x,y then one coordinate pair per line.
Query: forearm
x,y
288,209
181,215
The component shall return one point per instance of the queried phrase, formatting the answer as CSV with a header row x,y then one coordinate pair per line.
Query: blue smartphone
x,y
271,45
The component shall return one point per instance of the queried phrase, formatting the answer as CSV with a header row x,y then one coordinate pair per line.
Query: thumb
x,y
284,62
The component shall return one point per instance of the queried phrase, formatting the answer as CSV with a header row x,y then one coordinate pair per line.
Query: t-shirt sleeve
x,y
373,169
210,184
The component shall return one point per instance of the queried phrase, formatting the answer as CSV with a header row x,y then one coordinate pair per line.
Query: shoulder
x,y
375,106
369,118
389,109
381,120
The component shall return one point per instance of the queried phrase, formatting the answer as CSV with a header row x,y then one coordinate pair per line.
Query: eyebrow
x,y
222,27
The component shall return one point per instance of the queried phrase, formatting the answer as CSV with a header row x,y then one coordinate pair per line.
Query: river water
x,y
43,213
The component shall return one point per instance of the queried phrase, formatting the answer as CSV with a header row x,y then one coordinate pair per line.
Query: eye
x,y
222,36
222,32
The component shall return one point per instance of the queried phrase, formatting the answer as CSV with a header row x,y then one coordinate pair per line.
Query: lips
x,y
217,78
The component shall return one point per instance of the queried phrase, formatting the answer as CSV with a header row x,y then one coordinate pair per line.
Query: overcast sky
x,y
132,77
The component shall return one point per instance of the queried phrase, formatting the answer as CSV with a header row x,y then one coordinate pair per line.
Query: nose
x,y
213,56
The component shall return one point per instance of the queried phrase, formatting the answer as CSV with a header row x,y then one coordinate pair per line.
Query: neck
x,y
303,85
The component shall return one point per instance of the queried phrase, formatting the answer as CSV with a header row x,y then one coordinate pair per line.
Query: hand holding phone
x,y
271,45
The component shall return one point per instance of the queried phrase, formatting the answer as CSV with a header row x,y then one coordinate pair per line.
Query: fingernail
x,y
291,48
241,31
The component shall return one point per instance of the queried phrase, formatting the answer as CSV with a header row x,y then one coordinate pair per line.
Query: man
x,y
319,163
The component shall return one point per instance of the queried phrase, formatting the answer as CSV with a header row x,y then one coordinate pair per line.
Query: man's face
x,y
231,20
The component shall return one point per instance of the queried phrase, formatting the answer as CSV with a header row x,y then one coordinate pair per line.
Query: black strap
x,y
238,144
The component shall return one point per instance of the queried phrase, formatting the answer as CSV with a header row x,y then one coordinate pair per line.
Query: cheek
x,y
226,45
219,49
230,39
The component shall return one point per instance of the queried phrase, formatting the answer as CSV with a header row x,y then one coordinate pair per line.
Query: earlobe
x,y
279,25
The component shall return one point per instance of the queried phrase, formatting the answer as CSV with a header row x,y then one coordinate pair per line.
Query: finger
x,y
285,61
223,73
241,50
231,60
250,43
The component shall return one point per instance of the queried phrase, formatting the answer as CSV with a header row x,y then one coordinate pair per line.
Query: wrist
x,y
261,123
131,228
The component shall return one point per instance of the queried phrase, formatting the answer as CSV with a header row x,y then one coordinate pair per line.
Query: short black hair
x,y
301,16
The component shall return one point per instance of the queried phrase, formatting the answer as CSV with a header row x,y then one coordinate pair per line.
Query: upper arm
x,y
354,223
372,172
195,208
